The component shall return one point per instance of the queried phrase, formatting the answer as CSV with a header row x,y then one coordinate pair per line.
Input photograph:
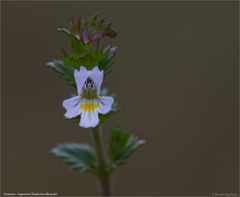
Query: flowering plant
x,y
85,68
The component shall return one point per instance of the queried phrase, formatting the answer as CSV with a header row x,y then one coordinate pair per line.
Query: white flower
x,y
88,103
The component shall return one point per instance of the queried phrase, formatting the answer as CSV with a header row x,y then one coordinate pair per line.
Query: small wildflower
x,y
88,103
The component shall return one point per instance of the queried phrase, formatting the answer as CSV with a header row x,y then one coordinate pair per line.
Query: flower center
x,y
89,106
89,90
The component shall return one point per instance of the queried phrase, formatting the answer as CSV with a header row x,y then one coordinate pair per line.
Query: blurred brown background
x,y
175,76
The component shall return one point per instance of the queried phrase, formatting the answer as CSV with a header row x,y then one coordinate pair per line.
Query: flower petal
x,y
105,104
71,102
72,106
97,77
89,119
80,77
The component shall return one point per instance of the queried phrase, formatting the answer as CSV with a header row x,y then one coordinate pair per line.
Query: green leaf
x,y
121,146
106,62
65,72
80,157
104,117
99,24
79,47
65,31
84,36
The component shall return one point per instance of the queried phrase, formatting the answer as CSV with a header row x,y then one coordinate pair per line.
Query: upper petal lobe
x,y
80,77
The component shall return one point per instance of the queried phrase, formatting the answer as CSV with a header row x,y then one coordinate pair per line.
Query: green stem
x,y
103,173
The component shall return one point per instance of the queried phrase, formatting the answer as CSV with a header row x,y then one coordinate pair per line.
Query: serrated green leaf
x,y
80,157
104,117
100,26
121,146
84,36
65,31
106,62
65,72
79,47
70,61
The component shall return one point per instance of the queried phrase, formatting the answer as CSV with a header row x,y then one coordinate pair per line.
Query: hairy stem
x,y
103,173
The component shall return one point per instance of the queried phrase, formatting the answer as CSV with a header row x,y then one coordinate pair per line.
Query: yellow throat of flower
x,y
87,107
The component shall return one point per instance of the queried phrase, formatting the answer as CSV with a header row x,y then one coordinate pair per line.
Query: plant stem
x,y
103,173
